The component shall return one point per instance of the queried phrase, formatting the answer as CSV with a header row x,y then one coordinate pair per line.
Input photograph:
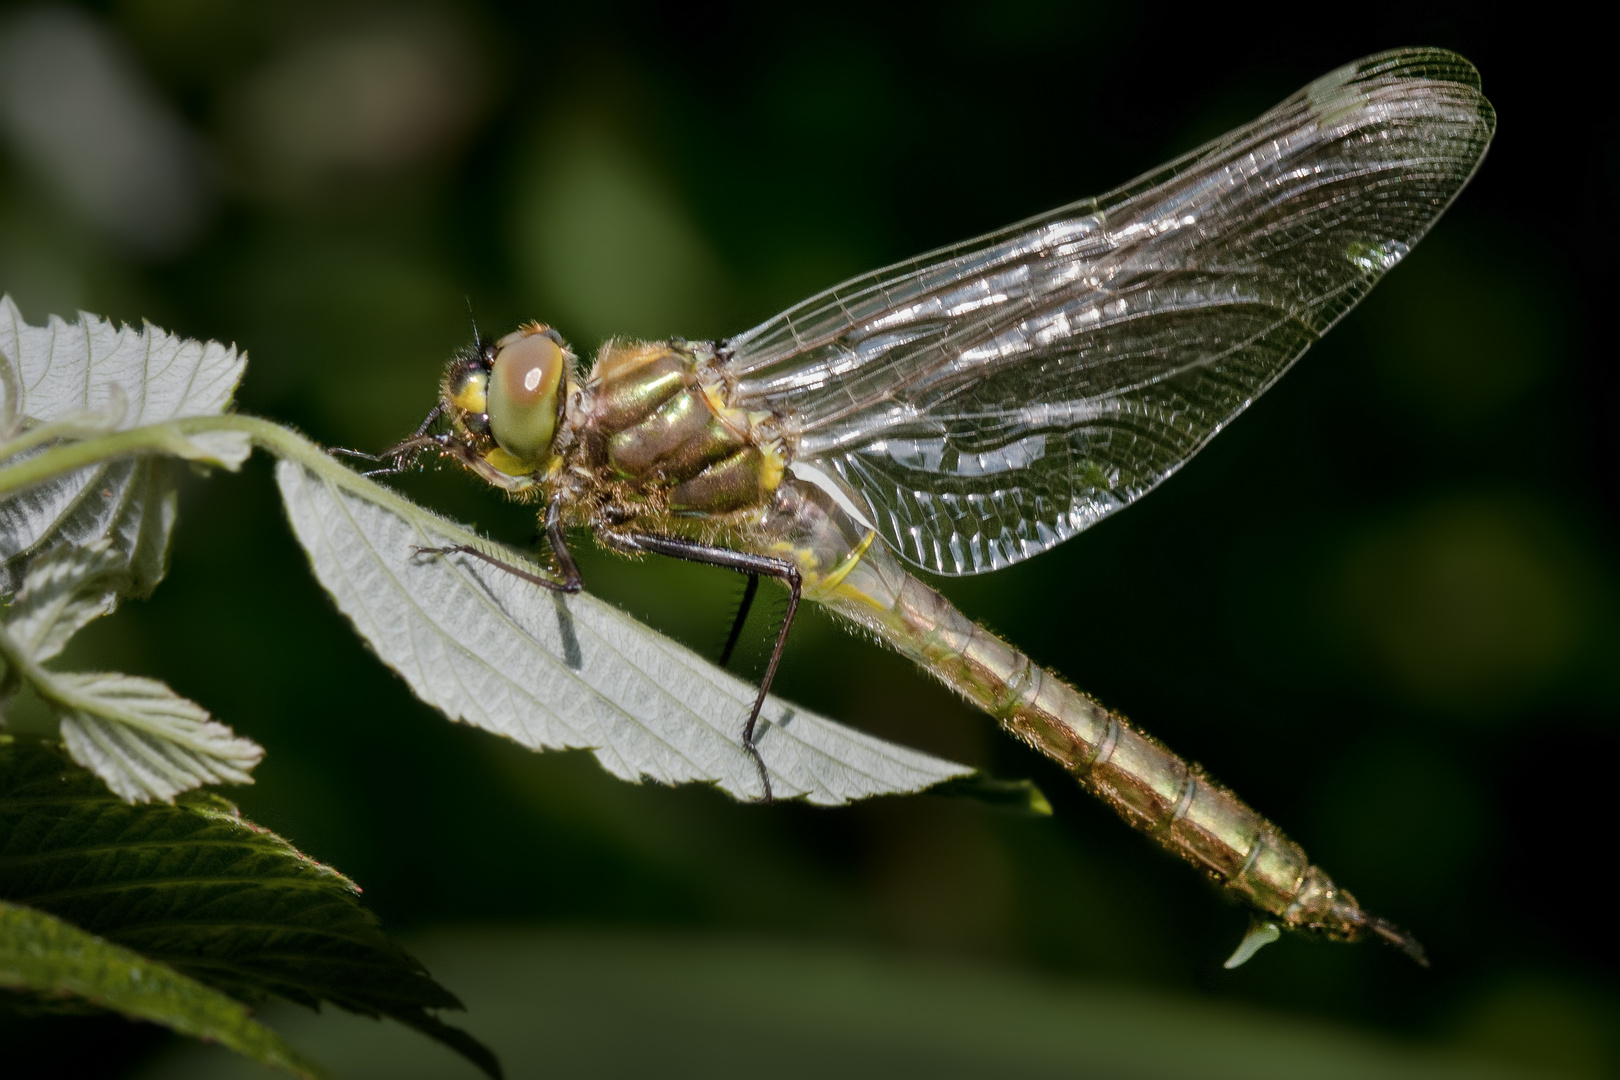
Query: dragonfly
x,y
975,406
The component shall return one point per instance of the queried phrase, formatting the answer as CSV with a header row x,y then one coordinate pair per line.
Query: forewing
x,y
991,399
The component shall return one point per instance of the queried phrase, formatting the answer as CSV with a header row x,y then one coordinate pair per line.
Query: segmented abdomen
x,y
1152,788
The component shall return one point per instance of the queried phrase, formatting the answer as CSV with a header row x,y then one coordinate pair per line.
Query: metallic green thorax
x,y
653,420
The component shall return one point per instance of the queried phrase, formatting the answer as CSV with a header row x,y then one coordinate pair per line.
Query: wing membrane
x,y
991,399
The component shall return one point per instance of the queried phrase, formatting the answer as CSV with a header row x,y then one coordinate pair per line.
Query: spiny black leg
x,y
565,586
744,563
571,581
363,455
421,429
742,617
795,585
395,463
398,456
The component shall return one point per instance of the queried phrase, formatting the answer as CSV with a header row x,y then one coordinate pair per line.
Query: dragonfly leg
x,y
742,617
571,581
395,464
756,566
398,456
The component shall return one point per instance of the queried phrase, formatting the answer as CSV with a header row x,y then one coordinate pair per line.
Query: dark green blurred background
x,y
1382,606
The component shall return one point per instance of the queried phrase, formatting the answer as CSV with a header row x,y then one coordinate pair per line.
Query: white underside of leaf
x,y
130,501
63,368
66,372
64,591
552,671
146,741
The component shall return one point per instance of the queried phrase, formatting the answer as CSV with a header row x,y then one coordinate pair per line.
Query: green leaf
x,y
51,959
139,736
217,898
552,671
72,380
1017,796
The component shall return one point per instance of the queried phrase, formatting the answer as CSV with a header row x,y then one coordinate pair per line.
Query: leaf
x,y
219,899
64,590
67,374
130,501
1016,796
66,367
638,1001
143,739
10,417
49,958
552,671
139,736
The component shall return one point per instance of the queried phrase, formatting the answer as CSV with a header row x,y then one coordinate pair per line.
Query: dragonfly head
x,y
505,398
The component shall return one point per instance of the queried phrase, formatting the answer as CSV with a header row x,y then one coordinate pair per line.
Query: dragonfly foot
x,y
396,463
452,550
570,583
764,776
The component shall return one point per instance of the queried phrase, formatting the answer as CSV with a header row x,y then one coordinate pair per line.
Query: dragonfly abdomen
x,y
1151,787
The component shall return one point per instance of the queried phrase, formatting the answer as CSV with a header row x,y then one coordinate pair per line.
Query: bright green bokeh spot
x,y
606,243
1541,1023
1469,605
1463,334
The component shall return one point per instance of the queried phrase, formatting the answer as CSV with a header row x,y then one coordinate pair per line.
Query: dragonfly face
x,y
506,401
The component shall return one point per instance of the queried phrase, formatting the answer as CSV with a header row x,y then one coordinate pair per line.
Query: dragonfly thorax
x,y
654,424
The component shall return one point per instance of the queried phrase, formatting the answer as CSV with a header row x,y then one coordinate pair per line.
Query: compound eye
x,y
523,387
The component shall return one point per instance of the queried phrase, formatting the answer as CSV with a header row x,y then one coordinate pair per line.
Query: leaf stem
x,y
168,437
20,665
171,437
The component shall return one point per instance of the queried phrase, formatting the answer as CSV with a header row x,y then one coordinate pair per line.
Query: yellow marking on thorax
x,y
714,395
774,465
746,423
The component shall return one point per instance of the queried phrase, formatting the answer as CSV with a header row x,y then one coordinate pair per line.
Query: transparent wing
x,y
991,399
